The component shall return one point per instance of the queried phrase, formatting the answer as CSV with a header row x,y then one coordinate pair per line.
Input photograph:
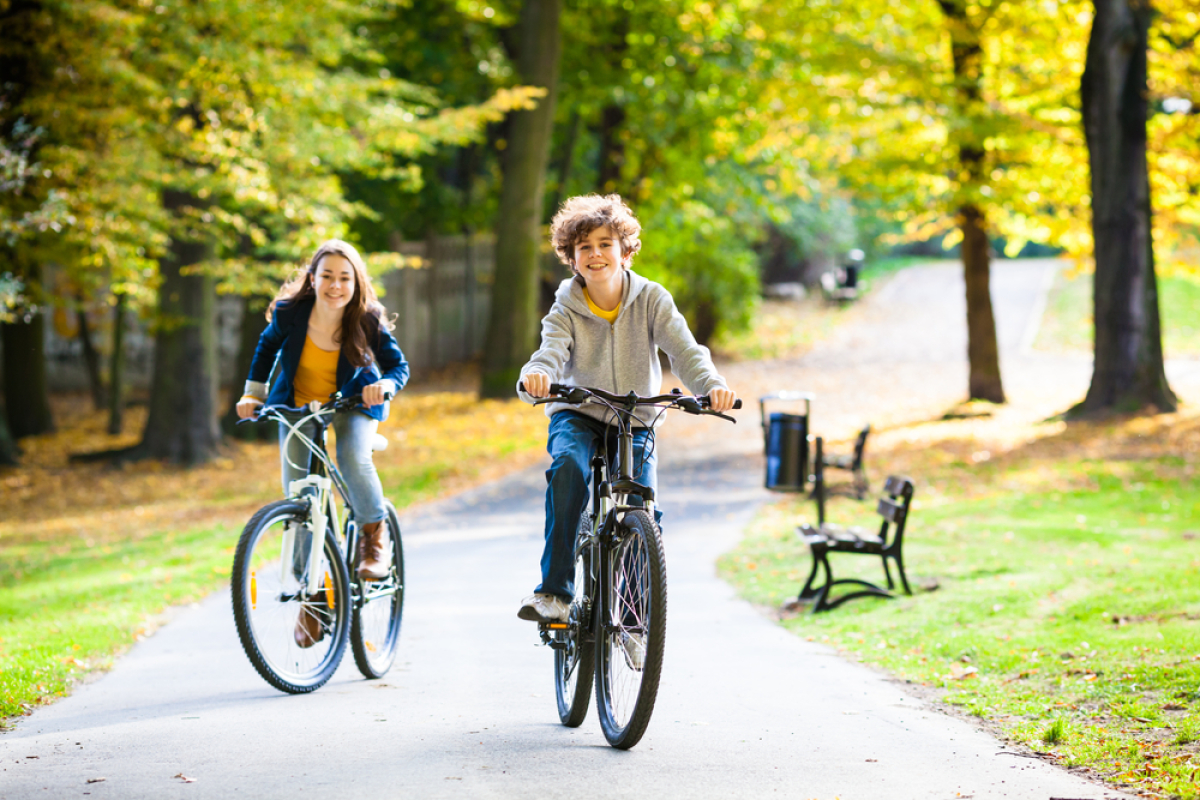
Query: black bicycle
x,y
615,631
296,556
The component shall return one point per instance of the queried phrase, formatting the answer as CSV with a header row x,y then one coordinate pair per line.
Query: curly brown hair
x,y
581,215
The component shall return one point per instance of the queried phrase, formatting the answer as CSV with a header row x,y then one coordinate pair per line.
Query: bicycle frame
x,y
315,488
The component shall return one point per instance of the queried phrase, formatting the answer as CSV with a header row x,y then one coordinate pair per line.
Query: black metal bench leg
x,y
887,573
808,592
821,600
903,577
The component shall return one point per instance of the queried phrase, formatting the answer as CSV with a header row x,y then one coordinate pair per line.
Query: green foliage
x,y
253,112
708,268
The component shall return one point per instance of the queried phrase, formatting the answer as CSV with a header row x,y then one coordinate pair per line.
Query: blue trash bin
x,y
785,438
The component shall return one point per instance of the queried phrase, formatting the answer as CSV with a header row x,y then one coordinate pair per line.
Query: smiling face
x,y
333,282
598,258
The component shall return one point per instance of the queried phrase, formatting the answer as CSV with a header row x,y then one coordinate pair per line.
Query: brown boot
x,y
308,626
372,563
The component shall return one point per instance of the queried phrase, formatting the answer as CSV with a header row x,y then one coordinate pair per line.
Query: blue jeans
x,y
572,443
355,433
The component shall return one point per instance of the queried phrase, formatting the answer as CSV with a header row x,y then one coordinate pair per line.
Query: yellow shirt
x,y
316,374
608,316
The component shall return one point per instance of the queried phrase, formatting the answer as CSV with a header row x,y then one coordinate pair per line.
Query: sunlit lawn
x,y
1067,324
91,555
1057,572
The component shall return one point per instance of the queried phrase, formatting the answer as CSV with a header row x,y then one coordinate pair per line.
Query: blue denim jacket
x,y
283,341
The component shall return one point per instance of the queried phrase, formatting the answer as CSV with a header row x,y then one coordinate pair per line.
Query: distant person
x,y
603,331
329,333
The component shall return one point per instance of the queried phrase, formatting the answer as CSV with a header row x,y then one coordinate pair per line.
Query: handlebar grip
x,y
555,388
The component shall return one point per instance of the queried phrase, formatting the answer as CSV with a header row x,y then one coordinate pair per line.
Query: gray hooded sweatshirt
x,y
581,349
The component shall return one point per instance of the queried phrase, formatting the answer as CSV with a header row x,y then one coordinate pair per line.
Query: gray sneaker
x,y
542,607
634,645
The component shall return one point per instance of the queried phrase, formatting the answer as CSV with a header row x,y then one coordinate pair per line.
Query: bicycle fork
x,y
316,490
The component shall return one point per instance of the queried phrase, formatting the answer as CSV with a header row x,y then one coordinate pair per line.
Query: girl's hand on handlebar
x,y
722,399
537,384
247,407
373,395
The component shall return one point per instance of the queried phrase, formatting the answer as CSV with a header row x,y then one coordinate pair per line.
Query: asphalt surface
x,y
745,709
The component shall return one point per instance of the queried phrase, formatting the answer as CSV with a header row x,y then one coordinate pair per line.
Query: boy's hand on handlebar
x,y
722,399
247,407
376,393
537,384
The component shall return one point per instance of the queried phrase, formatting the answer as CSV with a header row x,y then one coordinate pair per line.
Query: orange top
x,y
316,374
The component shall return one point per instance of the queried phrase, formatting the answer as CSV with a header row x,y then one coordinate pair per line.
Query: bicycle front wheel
x,y
575,651
632,630
274,613
375,631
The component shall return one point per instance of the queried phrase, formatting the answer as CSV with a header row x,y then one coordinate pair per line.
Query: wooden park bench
x,y
853,463
826,538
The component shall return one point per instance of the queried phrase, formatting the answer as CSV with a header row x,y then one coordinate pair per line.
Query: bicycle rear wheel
x,y
270,593
575,660
375,630
632,631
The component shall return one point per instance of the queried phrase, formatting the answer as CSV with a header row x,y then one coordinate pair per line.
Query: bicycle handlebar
x,y
264,412
577,395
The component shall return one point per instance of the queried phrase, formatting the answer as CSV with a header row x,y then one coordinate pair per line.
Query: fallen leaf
x,y
184,778
96,780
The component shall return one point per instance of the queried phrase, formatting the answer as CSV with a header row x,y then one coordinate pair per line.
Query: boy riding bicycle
x,y
604,330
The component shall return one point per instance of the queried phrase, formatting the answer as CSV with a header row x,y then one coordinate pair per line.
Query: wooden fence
x,y
442,307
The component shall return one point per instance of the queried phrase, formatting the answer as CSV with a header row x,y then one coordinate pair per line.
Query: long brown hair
x,y
364,314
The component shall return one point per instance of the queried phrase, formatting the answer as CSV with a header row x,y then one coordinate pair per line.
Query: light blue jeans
x,y
355,433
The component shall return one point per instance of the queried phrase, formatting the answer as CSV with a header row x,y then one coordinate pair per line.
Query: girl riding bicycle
x,y
329,333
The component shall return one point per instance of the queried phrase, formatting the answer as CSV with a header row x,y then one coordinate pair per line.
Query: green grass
x,y
1069,618
1067,324
68,608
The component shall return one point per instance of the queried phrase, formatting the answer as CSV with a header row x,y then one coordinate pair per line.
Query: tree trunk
x,y
611,160
254,322
512,324
8,448
567,161
182,424
1128,371
26,391
91,359
983,352
116,369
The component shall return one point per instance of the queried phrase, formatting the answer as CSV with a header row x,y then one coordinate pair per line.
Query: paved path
x,y
745,710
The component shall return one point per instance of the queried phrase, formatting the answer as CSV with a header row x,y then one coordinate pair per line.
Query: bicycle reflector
x,y
253,589
329,598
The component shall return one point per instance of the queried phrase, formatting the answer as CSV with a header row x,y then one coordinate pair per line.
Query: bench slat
x,y
890,510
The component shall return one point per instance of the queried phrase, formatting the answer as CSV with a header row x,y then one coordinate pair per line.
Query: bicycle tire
x,y
575,664
375,627
268,600
634,602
